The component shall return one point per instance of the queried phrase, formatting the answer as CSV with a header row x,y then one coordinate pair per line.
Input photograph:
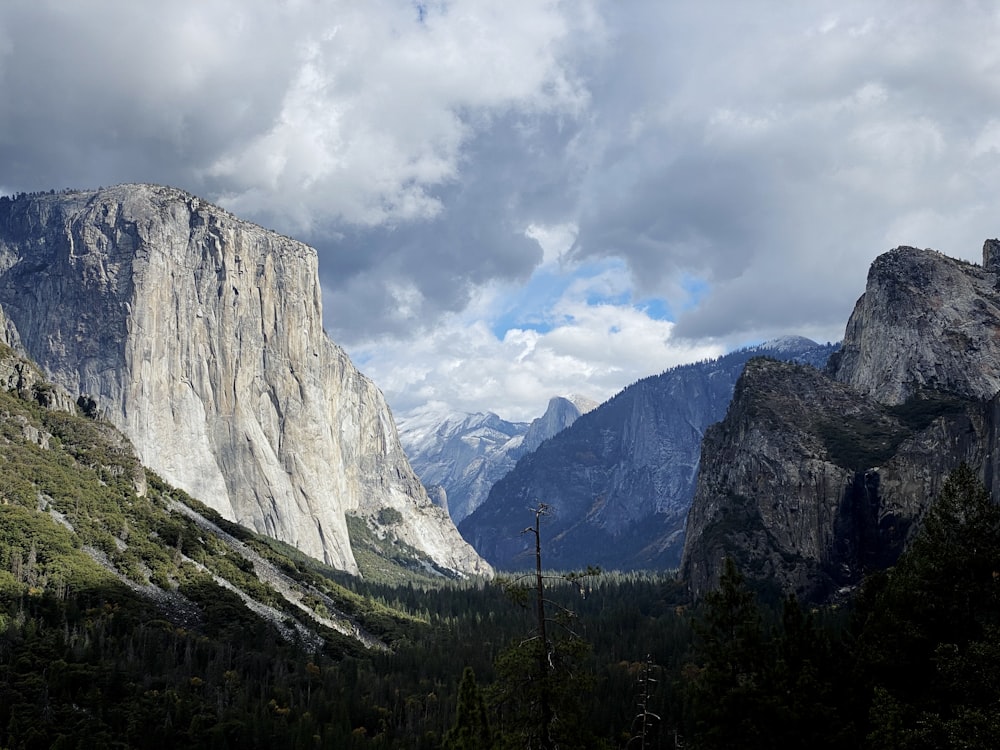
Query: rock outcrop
x,y
813,480
924,321
809,484
200,337
560,413
620,479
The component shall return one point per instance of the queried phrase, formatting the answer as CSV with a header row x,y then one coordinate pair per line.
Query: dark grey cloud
x,y
765,151
827,131
506,183
104,92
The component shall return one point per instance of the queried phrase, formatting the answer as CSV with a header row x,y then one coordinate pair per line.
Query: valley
x,y
211,536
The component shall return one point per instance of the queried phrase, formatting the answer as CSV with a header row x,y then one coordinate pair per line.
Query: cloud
x,y
787,151
465,168
590,349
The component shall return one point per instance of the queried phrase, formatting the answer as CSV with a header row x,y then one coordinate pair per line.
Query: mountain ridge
x,y
459,457
810,496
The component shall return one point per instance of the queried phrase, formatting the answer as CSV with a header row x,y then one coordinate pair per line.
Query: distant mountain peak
x,y
462,455
786,344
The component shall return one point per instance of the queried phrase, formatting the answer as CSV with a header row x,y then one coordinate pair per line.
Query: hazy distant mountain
x,y
619,481
459,457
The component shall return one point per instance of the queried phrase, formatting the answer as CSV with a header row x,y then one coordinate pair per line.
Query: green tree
x,y
471,730
928,647
541,680
727,697
804,678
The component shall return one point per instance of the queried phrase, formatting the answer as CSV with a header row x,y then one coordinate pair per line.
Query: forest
x,y
535,659
910,663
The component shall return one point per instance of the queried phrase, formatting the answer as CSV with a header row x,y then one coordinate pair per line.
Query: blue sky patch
x,y
601,282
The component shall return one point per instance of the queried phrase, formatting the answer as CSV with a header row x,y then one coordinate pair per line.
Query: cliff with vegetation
x,y
813,480
200,337
620,479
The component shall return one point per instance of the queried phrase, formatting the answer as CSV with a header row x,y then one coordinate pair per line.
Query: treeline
x,y
912,663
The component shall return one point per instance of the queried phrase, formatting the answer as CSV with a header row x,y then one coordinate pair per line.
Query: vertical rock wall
x,y
201,338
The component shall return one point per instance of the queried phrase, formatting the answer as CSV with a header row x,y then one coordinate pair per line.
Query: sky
x,y
516,199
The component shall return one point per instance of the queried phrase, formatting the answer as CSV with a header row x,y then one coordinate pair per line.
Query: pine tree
x,y
929,641
471,730
727,701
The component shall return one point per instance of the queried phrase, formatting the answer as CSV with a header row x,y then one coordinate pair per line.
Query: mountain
x,y
814,479
200,337
619,480
460,457
561,412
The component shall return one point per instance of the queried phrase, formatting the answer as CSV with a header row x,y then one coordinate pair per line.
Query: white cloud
x,y
381,106
554,239
593,350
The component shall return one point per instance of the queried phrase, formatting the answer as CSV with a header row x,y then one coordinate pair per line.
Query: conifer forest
x,y
625,660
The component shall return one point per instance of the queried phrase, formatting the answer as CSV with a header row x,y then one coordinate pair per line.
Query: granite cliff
x,y
200,337
814,479
619,480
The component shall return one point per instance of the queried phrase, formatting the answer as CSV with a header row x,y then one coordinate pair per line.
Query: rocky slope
x,y
813,479
619,481
460,457
74,493
200,336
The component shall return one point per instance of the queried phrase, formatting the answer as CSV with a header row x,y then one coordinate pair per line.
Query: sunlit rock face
x,y
814,479
924,321
200,336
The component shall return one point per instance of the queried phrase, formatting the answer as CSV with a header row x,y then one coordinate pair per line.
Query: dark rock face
x,y
813,480
620,479
809,484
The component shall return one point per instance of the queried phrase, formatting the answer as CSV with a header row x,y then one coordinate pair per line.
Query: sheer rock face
x,y
810,484
925,320
200,336
561,412
812,480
